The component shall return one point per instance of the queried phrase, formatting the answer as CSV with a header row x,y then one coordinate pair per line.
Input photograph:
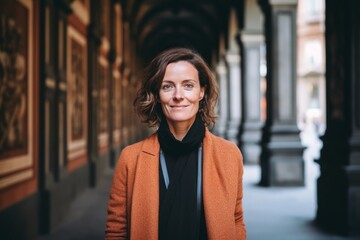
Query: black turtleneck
x,y
177,213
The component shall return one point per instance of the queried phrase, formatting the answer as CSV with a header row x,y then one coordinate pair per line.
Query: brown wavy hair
x,y
147,104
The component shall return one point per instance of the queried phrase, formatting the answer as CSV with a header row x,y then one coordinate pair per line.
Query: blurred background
x,y
289,79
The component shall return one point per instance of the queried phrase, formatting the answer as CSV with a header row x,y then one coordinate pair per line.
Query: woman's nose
x,y
178,94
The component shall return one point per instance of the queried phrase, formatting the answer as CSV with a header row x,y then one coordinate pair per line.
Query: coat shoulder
x,y
222,144
133,150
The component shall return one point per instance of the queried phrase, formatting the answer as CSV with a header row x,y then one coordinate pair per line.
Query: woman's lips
x,y
178,106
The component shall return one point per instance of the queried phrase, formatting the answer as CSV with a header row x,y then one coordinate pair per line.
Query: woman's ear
x,y
202,92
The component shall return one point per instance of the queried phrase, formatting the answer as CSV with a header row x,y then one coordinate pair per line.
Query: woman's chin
x,y
180,119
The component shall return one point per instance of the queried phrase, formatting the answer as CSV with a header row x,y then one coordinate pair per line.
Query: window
x,y
313,55
313,10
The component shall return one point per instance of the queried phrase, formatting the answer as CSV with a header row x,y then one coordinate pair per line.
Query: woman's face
x,y
180,92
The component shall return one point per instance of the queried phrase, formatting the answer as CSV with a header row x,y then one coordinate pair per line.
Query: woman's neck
x,y
179,129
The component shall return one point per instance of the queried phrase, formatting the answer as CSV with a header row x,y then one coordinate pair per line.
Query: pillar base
x,y
281,160
251,153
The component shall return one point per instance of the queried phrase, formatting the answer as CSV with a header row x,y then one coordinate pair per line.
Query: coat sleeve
x,y
239,216
117,219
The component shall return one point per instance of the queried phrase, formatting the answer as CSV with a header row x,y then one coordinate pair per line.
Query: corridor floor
x,y
270,213
280,213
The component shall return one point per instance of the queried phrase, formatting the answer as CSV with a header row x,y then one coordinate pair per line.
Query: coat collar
x,y
151,145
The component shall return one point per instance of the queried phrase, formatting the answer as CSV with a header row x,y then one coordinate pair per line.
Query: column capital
x,y
282,2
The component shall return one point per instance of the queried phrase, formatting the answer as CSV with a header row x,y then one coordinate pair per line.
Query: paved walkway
x,y
280,213
86,216
288,213
270,213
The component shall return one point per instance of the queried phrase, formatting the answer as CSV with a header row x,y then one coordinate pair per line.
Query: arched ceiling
x,y
160,24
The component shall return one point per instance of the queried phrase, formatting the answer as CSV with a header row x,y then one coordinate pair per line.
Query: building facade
x,y
311,64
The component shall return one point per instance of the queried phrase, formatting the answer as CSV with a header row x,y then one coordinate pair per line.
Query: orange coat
x,y
133,209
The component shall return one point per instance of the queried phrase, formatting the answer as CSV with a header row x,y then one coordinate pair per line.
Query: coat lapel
x,y
145,205
209,192
214,191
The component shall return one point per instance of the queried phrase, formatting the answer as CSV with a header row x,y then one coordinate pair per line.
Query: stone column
x,y
233,60
338,187
94,41
281,157
63,11
222,74
252,39
114,60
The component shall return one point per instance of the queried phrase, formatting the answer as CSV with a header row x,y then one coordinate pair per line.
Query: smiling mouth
x,y
178,106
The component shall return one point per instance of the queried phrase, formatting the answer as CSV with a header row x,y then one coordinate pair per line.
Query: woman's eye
x,y
166,86
189,85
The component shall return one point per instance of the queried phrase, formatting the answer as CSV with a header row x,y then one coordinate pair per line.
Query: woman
x,y
182,182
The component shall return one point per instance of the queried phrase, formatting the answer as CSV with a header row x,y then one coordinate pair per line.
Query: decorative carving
x,y
104,99
77,89
13,85
16,97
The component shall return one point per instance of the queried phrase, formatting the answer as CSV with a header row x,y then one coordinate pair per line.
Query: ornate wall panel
x,y
18,101
76,92
77,84
104,105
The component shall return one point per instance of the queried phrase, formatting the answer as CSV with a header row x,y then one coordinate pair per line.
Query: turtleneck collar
x,y
193,138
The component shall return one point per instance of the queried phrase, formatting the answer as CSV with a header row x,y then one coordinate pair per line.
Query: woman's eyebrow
x,y
185,80
168,81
